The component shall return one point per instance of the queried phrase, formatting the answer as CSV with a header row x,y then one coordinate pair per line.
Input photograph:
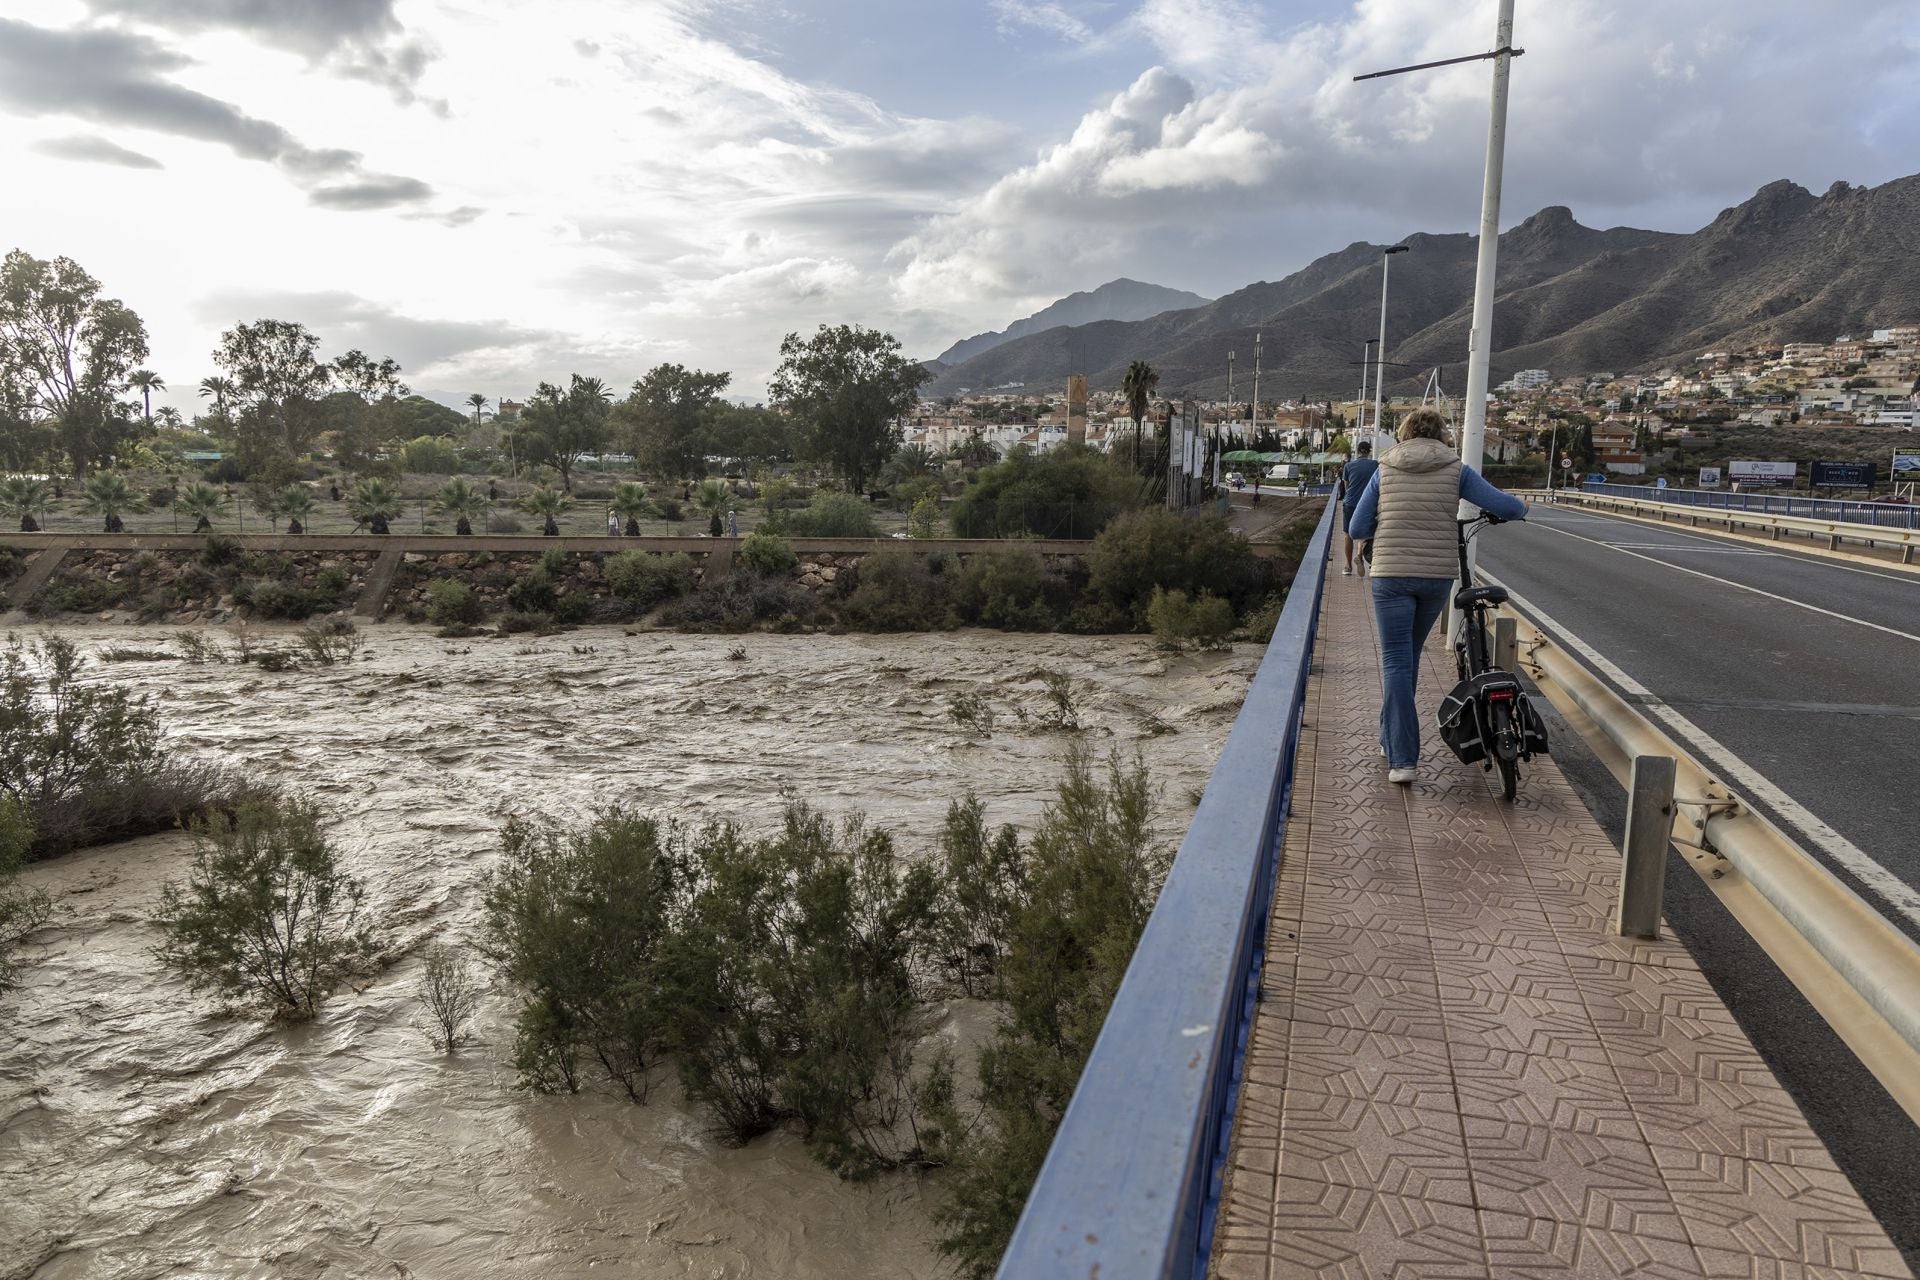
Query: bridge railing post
x,y
1643,868
1506,644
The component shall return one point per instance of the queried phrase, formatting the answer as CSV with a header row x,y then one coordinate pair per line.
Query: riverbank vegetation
x,y
83,760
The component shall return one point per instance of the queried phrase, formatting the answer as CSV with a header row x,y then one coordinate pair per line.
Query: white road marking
x,y
1784,552
1892,890
1741,586
1696,551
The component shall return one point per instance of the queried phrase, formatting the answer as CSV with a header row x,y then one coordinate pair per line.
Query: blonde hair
x,y
1423,422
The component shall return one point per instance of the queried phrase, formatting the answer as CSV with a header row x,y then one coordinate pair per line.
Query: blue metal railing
x,y
1883,515
1131,1184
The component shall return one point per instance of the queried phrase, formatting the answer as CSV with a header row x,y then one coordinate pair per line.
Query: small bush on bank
x,y
1155,548
21,910
1258,625
333,640
1006,589
1179,623
742,601
504,522
266,912
829,515
452,603
644,579
767,554
574,920
897,590
83,758
274,600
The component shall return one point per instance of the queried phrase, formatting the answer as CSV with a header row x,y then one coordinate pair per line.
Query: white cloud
x,y
1012,16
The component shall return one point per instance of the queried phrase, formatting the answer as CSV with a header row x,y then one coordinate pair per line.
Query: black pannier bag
x,y
1460,726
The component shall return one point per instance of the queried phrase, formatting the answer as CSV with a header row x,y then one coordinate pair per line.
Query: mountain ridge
x,y
1782,266
1118,299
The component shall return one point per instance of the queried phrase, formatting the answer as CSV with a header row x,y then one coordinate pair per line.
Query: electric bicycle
x,y
1486,719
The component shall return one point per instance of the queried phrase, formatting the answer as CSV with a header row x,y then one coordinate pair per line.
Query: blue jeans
x,y
1405,609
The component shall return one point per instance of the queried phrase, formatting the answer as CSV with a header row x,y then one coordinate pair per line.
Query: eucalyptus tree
x,y
847,388
67,351
278,378
559,427
664,420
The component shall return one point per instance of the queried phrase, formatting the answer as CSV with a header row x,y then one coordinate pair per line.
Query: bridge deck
x,y
1456,1071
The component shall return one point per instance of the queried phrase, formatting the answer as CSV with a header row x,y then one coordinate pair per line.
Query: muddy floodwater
x,y
145,1133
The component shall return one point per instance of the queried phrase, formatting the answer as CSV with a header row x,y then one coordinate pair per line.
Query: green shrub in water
x,y
645,578
1179,623
897,590
451,603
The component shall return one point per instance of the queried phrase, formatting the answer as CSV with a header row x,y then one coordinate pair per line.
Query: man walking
x,y
1354,478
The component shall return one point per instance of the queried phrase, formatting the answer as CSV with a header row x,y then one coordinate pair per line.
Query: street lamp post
x,y
1253,418
1360,405
1380,375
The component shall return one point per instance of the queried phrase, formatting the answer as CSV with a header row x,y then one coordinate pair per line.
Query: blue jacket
x,y
1356,473
1473,487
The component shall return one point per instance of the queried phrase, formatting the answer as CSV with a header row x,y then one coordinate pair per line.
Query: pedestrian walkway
x,y
1457,1071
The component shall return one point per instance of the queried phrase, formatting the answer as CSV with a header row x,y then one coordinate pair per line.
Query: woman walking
x,y
1407,513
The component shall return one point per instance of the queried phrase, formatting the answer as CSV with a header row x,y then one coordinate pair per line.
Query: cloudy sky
x,y
500,191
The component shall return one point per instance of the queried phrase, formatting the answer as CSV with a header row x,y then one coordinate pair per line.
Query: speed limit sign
x,y
1566,460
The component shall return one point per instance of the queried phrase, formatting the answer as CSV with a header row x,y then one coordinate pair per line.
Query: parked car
x,y
1237,480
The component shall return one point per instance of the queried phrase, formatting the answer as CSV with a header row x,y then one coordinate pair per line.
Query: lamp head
x,y
1398,248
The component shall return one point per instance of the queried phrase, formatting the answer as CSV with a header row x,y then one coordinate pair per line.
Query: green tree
x,y
974,453
847,388
203,502
374,502
664,419
548,503
558,427
296,503
631,503
148,382
1138,387
462,501
752,434
277,375
478,403
108,494
266,912
23,496
67,351
220,389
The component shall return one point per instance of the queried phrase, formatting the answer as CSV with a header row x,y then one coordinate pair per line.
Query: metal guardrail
x,y
1883,515
1906,540
1860,972
1132,1181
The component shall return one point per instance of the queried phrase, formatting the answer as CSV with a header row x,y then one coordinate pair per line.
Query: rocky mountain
x,y
1121,299
1785,266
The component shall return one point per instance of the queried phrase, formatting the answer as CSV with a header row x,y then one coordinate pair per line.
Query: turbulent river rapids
x,y
145,1132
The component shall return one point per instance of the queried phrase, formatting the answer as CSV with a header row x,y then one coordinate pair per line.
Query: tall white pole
x,y
1473,430
1473,433
1360,401
1380,378
1253,422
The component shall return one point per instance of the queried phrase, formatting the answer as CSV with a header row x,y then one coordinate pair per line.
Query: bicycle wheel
x,y
1506,749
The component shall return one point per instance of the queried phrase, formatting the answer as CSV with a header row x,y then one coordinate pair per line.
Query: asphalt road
x,y
1799,678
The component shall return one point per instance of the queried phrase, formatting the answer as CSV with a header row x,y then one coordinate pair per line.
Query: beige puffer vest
x,y
1419,501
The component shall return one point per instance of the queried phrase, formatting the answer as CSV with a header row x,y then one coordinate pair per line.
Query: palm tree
x,y
108,494
219,388
630,500
374,502
545,500
296,503
462,501
22,496
976,452
170,417
479,403
203,502
149,382
1138,387
711,497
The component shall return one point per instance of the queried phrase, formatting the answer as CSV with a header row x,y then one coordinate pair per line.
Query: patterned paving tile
x,y
1734,1208
1457,1071
1326,1231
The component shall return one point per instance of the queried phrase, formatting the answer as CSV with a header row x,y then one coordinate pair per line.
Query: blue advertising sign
x,y
1843,475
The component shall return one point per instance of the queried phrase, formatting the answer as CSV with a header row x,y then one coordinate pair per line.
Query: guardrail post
x,y
1506,644
1643,868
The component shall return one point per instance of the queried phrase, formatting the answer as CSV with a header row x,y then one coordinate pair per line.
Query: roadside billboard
x,y
1762,475
1906,462
1709,477
1844,475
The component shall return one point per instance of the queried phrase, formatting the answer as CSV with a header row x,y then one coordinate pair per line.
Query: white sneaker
x,y
1346,573
1403,776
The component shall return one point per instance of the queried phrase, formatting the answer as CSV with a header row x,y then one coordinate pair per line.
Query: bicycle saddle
x,y
1479,595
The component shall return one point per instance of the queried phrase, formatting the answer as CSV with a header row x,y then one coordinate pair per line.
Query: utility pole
x,y
1360,402
1253,426
1380,375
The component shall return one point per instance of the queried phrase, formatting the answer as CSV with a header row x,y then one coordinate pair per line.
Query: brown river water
x,y
145,1132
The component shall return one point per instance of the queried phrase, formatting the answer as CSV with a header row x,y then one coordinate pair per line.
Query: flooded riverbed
x,y
143,1133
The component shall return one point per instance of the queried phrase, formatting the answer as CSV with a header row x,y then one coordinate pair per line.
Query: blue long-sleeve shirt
x,y
1473,487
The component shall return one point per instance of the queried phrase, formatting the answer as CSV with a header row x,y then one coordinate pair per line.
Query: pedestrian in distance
x,y
1407,513
613,525
1354,478
733,524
